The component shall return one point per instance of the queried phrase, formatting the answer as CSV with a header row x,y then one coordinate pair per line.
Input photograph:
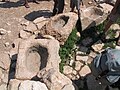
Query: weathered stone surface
x,y
48,37
60,26
67,69
54,79
1,74
106,7
31,27
81,58
78,65
24,34
92,12
108,1
14,51
4,61
4,77
40,19
92,54
92,16
69,87
115,27
41,24
14,84
36,54
84,71
32,85
7,44
98,47
3,87
3,31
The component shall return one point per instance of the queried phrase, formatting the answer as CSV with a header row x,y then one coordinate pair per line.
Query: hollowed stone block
x,y
60,26
35,55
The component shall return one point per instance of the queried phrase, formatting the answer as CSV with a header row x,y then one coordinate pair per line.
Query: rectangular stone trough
x,y
35,55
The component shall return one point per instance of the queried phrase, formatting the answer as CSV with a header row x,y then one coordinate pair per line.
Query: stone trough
x,y
60,26
35,55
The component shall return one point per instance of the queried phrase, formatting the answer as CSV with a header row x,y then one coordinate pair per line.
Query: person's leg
x,y
78,6
72,5
55,9
61,4
26,4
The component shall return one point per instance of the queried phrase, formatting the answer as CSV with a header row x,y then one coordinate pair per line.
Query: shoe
x,y
26,5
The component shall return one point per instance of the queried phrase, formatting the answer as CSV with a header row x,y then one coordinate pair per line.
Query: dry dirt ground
x,y
13,13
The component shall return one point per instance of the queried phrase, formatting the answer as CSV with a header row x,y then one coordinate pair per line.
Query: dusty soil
x,y
13,13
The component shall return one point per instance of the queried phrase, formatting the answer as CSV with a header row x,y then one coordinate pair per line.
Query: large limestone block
x,y
54,79
3,87
60,26
4,60
32,85
14,84
35,55
92,16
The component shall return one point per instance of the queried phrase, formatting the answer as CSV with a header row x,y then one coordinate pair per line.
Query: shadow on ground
x,y
10,4
35,14
90,36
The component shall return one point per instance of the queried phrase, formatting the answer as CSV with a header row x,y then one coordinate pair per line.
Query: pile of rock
x,y
33,62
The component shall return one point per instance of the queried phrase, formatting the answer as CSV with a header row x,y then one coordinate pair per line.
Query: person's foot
x,y
26,5
34,1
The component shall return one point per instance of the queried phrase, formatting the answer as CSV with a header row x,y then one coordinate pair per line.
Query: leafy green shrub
x,y
66,50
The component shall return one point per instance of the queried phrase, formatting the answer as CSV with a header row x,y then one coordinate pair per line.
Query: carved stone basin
x,y
37,56
60,22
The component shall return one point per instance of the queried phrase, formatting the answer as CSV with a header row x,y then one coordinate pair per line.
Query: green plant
x,y
118,21
66,50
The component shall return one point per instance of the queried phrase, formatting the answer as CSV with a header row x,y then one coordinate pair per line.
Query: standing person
x,y
75,3
58,7
112,18
105,67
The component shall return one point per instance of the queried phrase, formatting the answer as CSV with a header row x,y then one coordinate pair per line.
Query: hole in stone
x,y
36,58
60,22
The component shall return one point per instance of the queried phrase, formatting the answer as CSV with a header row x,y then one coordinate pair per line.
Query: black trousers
x,y
58,7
